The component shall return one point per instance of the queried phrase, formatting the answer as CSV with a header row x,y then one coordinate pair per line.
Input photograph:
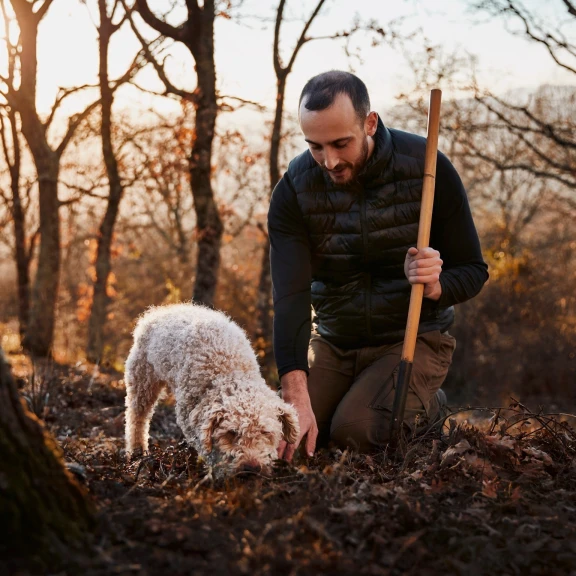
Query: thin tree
x,y
197,34
264,305
22,98
18,208
106,29
12,150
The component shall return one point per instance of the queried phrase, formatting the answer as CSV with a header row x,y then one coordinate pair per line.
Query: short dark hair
x,y
322,89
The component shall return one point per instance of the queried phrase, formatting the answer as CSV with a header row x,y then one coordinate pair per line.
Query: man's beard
x,y
356,166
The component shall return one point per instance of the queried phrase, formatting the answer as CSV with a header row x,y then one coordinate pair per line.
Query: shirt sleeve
x,y
291,276
454,235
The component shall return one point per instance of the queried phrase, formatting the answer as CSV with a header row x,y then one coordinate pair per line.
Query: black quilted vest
x,y
359,237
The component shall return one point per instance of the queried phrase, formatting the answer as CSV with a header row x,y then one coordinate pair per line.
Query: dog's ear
x,y
289,419
208,430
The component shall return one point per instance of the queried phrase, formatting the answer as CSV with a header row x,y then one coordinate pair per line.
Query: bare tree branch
x,y
570,6
523,166
5,143
63,93
164,28
169,87
137,64
43,9
75,121
83,191
228,108
302,40
545,128
276,53
552,41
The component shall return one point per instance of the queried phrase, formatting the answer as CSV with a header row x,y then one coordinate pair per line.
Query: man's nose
x,y
331,160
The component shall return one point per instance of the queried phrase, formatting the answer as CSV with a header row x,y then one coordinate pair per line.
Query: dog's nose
x,y
251,467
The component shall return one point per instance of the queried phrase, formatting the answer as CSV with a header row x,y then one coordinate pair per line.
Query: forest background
x,y
140,146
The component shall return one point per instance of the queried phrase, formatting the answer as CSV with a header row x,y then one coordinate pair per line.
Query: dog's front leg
x,y
142,393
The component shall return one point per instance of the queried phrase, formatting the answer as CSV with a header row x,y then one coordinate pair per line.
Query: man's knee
x,y
364,436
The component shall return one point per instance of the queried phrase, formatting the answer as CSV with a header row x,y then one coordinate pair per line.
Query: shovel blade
x,y
399,406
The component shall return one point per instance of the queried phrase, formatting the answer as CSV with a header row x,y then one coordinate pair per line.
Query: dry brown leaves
x,y
497,496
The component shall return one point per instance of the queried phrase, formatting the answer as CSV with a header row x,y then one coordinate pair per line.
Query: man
x,y
343,225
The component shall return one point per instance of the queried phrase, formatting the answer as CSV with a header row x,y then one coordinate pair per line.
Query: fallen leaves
x,y
490,488
451,455
502,499
351,508
538,455
503,443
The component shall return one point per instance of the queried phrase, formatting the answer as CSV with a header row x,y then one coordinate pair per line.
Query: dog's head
x,y
243,435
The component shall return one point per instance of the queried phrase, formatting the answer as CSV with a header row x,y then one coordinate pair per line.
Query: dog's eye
x,y
231,434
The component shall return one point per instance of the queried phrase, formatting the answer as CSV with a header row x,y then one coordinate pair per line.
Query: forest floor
x,y
496,497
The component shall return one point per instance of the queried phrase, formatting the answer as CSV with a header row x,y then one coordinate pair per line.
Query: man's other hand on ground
x,y
295,392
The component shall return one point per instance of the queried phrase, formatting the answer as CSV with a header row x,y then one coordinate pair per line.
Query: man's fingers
x,y
424,279
311,441
422,275
427,253
282,448
290,449
423,253
425,263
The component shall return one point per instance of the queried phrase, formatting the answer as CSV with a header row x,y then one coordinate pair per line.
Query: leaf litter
x,y
490,497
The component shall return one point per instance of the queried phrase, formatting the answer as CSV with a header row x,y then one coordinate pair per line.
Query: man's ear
x,y
208,430
371,123
289,419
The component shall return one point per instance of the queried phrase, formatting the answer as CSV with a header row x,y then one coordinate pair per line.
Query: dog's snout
x,y
251,467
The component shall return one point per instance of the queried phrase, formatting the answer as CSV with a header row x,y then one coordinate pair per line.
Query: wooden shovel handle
x,y
427,203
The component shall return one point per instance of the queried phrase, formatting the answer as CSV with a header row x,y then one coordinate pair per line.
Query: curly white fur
x,y
223,406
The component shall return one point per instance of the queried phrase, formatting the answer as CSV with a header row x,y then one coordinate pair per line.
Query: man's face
x,y
337,139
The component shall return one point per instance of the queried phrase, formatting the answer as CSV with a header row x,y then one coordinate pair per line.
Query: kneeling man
x,y
343,224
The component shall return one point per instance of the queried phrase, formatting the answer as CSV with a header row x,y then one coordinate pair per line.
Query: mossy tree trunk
x,y
44,515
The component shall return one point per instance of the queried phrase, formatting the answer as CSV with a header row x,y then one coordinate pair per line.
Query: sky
x,y
68,50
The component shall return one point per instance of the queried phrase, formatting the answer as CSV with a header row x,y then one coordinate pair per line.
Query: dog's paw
x,y
136,454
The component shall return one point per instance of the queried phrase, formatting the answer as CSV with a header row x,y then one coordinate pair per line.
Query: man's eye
x,y
315,148
340,146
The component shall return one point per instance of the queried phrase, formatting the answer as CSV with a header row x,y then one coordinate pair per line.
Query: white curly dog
x,y
223,406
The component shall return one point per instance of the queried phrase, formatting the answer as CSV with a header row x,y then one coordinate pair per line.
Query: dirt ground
x,y
495,498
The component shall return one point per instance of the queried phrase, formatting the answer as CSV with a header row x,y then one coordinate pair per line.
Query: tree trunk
x,y
116,191
45,514
19,217
209,225
22,259
264,301
40,329
197,34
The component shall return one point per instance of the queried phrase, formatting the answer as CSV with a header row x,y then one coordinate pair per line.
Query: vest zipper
x,y
367,276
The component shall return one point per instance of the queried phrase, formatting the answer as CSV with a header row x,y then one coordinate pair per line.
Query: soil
x,y
494,493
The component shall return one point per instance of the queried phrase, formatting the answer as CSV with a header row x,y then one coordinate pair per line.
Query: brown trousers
x,y
352,391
